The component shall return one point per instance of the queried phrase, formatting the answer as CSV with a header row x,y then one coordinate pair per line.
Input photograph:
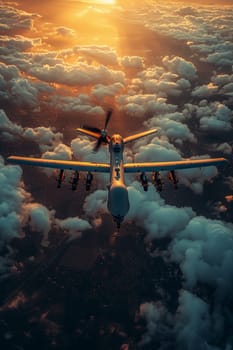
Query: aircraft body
x,y
118,200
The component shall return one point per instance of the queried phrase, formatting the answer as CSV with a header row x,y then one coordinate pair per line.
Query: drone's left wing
x,y
175,165
60,164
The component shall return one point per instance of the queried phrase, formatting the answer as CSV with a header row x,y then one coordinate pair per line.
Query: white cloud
x,y
204,250
178,65
39,218
213,116
193,323
74,225
206,29
224,148
81,103
153,314
47,138
222,79
101,91
19,91
195,178
96,203
12,196
82,148
7,128
150,211
101,53
144,104
158,150
65,31
13,19
136,62
172,126
221,58
80,74
204,91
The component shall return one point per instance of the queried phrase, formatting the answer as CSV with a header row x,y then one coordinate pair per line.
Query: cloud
x,y
101,53
16,44
80,74
13,19
193,324
187,11
196,177
18,210
39,218
204,91
153,314
172,126
159,81
178,65
82,148
81,103
159,149
95,204
100,91
150,211
73,226
144,104
47,138
65,31
135,62
61,151
213,116
7,128
229,181
12,196
205,30
15,89
223,58
224,148
204,250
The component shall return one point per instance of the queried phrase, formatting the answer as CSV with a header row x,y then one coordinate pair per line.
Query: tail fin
x,y
138,136
88,133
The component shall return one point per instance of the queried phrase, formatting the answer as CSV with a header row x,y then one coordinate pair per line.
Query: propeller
x,y
103,137
108,117
91,128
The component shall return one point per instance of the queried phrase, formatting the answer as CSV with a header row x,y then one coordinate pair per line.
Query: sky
x,y
156,64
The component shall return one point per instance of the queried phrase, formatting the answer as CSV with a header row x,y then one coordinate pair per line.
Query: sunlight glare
x,y
107,2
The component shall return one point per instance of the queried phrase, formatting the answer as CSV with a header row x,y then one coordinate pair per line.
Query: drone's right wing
x,y
60,164
175,165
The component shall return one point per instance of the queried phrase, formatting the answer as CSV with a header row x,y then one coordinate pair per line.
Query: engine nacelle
x,y
60,178
157,182
74,181
144,181
89,179
172,177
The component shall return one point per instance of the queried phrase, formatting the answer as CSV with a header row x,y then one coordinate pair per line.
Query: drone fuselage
x,y
118,200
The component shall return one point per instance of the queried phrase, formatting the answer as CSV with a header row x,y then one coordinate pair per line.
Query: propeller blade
x,y
98,144
108,117
92,128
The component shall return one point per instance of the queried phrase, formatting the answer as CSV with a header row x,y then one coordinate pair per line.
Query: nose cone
x,y
118,201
